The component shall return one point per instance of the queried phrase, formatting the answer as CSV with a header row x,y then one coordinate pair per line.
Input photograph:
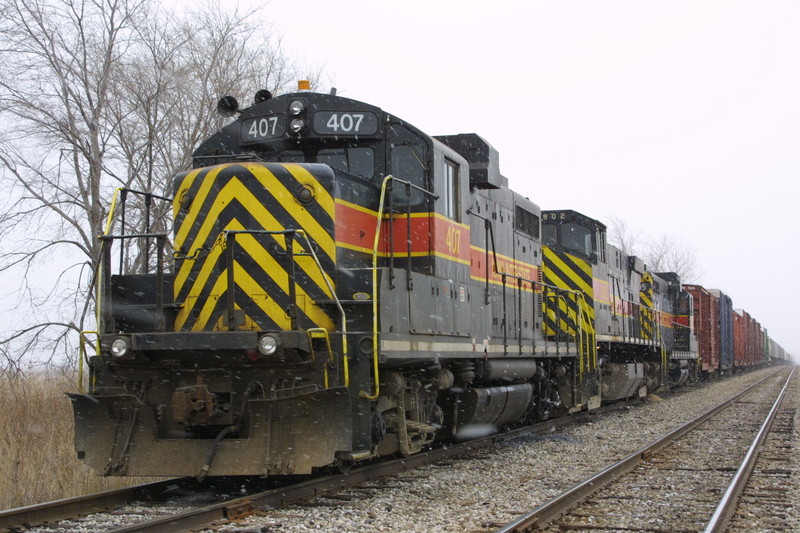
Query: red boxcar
x,y
706,327
747,341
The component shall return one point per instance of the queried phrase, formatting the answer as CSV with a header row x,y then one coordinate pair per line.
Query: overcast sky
x,y
681,118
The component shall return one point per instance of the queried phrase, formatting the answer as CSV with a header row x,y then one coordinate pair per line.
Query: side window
x,y
450,191
601,252
526,222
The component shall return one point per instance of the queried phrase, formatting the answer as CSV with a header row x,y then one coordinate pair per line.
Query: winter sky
x,y
681,118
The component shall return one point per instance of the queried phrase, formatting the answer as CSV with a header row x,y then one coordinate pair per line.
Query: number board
x,y
345,123
263,128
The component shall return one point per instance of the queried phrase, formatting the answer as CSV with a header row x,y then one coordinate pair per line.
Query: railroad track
x,y
184,512
676,483
760,498
172,505
130,504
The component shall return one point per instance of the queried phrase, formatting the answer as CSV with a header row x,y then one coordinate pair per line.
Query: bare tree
x,y
99,94
669,254
58,64
661,254
622,236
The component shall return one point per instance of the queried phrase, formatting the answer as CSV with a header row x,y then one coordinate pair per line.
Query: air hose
x,y
225,432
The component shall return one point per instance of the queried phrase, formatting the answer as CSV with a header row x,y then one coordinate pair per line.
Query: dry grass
x,y
38,461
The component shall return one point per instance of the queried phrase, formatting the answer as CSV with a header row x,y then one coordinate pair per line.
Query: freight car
x,y
706,325
725,313
728,339
339,286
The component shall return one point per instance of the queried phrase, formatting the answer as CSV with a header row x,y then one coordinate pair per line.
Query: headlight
x,y
296,125
267,345
119,347
296,107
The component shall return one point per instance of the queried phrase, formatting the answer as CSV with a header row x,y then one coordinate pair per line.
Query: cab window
x,y
356,161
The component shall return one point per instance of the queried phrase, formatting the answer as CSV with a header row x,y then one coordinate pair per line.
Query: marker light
x,y
303,85
297,125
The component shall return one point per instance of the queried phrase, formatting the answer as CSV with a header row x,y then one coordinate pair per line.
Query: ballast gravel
x,y
487,490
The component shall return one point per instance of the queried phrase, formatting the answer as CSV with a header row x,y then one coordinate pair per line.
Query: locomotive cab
x,y
574,233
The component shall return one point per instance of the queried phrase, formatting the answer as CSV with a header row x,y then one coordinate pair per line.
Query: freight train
x,y
339,286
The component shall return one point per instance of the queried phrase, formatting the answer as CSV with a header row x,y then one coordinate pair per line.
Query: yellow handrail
x,y
325,277
82,354
111,210
376,372
321,333
106,230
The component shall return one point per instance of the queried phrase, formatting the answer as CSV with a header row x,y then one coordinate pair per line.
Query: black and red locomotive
x,y
340,286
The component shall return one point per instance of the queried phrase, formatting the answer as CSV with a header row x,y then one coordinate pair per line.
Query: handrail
x,y
119,196
98,309
82,354
231,237
581,319
105,269
375,359
376,241
311,333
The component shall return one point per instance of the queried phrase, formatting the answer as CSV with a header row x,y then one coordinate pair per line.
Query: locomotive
x,y
340,286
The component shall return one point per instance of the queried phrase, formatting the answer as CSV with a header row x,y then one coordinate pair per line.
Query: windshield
x,y
577,238
357,161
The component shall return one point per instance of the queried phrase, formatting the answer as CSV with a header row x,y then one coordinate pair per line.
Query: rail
x,y
722,515
550,510
584,337
50,512
103,269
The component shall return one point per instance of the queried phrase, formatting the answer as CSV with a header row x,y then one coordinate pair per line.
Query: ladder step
x,y
318,333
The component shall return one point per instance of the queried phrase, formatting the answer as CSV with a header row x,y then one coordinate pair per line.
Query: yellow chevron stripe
x,y
568,276
249,285
251,245
211,302
197,203
302,175
287,199
209,262
186,184
236,189
567,312
568,270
